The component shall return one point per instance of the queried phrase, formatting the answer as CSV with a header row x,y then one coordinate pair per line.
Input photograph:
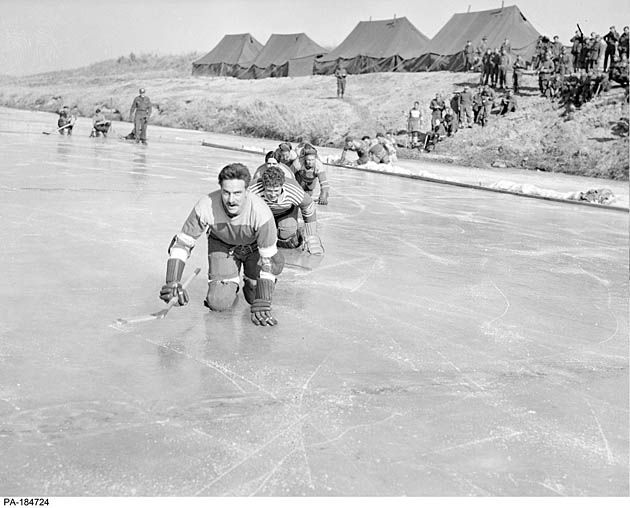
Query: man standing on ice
x,y
140,112
241,232
285,198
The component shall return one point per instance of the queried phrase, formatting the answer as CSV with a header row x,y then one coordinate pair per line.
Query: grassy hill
x,y
536,137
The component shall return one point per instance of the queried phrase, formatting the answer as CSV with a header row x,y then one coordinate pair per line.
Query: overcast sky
x,y
43,35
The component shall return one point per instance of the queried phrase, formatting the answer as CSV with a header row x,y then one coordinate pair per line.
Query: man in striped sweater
x,y
241,232
285,198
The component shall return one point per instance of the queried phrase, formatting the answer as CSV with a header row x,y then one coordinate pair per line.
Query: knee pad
x,y
292,242
222,295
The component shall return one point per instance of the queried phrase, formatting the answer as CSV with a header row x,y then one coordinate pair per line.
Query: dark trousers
x,y
610,53
140,126
341,86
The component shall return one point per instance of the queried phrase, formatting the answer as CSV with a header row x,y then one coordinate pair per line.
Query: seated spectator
x,y
353,144
389,146
434,136
65,120
508,103
451,123
378,153
100,125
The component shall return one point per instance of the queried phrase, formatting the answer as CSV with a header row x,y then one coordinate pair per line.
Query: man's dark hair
x,y
235,171
364,138
273,177
270,155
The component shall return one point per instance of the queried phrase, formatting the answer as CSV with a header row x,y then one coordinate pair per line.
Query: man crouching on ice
x,y
285,199
241,231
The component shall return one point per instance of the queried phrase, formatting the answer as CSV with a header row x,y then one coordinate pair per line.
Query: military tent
x,y
445,51
376,46
232,56
285,55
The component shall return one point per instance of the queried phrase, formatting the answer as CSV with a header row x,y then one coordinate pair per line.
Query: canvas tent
x,y
376,46
445,51
233,55
285,55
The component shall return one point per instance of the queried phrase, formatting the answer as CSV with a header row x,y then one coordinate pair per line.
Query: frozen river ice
x,y
452,342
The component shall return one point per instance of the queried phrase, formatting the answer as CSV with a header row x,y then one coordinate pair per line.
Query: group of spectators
x,y
498,67
381,150
463,110
587,71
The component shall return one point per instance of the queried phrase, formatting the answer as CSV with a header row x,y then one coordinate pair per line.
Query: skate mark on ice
x,y
354,427
609,455
250,456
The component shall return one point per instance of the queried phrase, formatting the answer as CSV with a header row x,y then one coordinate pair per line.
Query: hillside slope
x,y
536,137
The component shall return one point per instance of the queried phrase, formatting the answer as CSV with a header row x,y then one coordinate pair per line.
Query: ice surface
x,y
452,342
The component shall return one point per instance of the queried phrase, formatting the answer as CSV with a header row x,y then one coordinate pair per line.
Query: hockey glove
x,y
261,308
173,287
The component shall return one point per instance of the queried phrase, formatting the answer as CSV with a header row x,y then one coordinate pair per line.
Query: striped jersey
x,y
254,226
291,196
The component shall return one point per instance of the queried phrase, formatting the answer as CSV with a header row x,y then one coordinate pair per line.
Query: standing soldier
x,y
414,124
517,70
611,39
593,52
556,47
468,56
241,232
585,55
539,52
545,71
505,69
563,63
486,73
467,107
577,42
624,43
456,107
340,74
141,107
496,64
437,108
483,47
599,65
506,46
